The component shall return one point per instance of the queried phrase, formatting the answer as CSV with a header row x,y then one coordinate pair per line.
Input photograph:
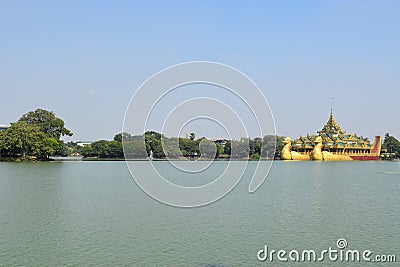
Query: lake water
x,y
94,214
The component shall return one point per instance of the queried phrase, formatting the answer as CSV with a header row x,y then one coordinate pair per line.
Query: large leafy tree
x,y
20,139
27,140
36,133
47,122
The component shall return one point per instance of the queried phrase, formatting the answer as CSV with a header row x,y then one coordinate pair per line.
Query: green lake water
x,y
94,214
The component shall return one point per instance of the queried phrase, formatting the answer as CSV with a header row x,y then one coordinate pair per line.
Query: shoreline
x,y
71,159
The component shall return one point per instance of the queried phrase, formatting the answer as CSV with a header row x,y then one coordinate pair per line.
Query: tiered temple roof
x,y
333,138
331,126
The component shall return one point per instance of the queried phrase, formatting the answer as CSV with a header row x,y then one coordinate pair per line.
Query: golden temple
x,y
331,143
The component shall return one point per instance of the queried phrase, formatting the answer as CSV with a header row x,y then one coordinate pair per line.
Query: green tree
x,y
240,149
115,149
135,149
27,140
189,147
279,146
122,136
256,146
220,149
100,149
171,147
153,143
36,133
255,156
50,146
47,122
392,145
87,151
271,146
227,148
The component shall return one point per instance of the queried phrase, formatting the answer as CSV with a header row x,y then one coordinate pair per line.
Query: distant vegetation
x,y
392,147
151,144
99,149
36,135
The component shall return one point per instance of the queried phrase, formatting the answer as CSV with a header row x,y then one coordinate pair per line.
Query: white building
x,y
83,144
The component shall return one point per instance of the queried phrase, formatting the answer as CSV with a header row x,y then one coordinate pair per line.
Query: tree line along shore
x,y
37,136
155,145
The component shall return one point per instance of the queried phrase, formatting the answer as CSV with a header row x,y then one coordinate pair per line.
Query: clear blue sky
x,y
84,59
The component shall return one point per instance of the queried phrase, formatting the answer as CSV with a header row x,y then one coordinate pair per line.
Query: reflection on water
x,y
92,213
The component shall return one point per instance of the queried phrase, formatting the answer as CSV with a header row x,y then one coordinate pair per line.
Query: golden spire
x,y
331,126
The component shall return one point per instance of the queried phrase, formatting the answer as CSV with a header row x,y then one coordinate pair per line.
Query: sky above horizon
x,y
84,60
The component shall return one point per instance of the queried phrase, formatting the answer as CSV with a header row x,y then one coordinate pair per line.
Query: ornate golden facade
x,y
331,143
